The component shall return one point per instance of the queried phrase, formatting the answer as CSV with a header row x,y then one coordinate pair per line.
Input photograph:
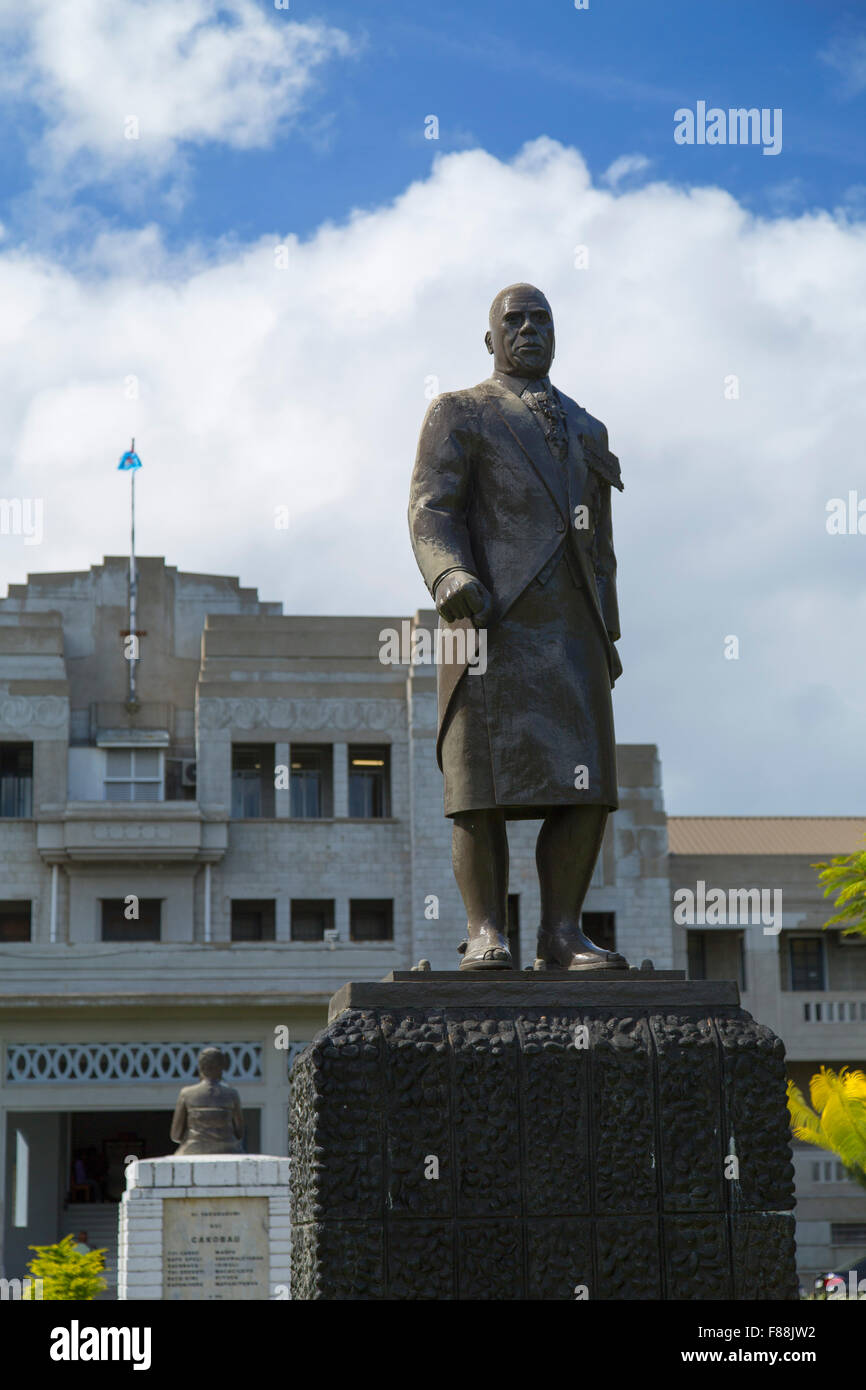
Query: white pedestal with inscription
x,y
213,1227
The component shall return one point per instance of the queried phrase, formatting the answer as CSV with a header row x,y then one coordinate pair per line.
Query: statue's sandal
x,y
477,956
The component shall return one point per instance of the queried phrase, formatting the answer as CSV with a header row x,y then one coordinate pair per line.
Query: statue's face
x,y
521,339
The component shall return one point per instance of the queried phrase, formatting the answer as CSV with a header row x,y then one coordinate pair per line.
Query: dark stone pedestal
x,y
581,1130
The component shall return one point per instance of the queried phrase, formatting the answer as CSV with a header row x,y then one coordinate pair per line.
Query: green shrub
x,y
67,1273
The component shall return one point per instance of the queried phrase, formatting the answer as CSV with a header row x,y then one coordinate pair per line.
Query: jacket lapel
x,y
525,429
576,462
577,477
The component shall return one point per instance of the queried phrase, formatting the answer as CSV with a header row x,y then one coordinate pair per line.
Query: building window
x,y
14,920
16,779
806,955
369,782
117,926
371,919
180,777
133,774
716,955
848,1233
311,918
254,919
513,926
311,781
600,927
697,955
252,780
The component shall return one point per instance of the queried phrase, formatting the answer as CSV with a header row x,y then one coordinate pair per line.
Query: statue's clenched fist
x,y
462,595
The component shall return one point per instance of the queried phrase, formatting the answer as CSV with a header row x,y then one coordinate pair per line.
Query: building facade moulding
x,y
19,713
112,832
341,716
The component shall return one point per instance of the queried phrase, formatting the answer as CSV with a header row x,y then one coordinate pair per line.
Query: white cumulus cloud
x,y
624,167
724,352
846,52
174,71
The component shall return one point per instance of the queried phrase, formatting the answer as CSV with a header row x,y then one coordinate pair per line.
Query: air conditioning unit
x,y
187,772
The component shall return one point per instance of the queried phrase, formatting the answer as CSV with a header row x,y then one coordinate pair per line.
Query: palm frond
x,y
838,1121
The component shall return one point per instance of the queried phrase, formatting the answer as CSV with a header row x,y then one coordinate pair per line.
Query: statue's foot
x,y
486,949
570,949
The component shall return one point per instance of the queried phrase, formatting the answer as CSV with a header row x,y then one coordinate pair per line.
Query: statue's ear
x,y
488,341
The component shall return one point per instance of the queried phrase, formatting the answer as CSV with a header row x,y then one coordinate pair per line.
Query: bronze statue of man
x,y
208,1118
510,519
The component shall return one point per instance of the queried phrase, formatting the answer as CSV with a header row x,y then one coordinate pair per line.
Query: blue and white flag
x,y
129,460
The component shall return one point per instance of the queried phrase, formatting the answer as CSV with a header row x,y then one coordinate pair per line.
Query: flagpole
x,y
132,587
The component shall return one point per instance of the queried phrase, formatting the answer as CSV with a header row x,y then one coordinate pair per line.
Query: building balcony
x,y
822,1025
88,831
819,1175
111,975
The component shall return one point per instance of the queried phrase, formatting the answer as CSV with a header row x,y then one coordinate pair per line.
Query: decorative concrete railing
x,y
834,1009
124,1062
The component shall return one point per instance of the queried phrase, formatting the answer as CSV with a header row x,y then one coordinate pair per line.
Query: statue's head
x,y
212,1063
520,336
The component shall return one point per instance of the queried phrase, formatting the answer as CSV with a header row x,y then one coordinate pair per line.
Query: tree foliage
x,y
838,1121
845,876
67,1273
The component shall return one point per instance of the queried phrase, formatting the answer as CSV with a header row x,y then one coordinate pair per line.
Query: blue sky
x,y
607,79
225,233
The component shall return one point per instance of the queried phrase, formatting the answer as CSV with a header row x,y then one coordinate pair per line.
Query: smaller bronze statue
x,y
208,1118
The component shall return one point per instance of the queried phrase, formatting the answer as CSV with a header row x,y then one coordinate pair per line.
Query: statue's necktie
x,y
549,414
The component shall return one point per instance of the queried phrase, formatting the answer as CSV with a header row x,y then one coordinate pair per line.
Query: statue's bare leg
x,y
568,846
479,849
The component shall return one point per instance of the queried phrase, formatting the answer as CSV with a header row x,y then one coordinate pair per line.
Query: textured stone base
x,y
580,1129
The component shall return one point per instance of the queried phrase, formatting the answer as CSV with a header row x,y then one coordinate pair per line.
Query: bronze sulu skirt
x,y
536,729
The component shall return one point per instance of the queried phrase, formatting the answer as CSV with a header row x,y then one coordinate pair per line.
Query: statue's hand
x,y
462,595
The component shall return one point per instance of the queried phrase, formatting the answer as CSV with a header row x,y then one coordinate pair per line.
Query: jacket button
x,y
560,526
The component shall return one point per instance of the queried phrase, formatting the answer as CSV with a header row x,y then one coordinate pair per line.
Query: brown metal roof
x,y
818,835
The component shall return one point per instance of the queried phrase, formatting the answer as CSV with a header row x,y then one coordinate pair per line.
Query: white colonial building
x,y
806,983
210,864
